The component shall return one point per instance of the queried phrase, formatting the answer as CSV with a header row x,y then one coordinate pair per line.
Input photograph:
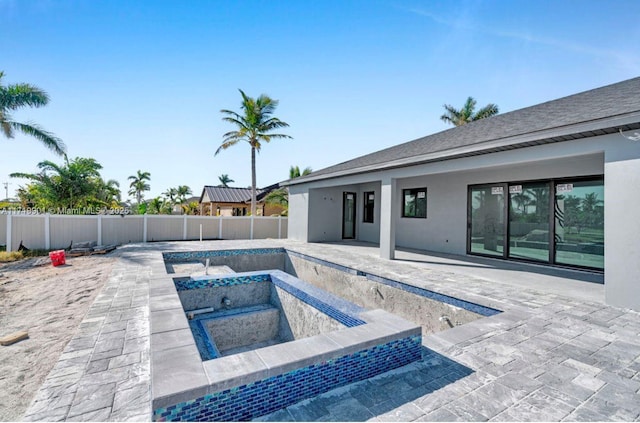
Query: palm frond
x,y
32,176
22,95
487,111
5,124
50,141
228,142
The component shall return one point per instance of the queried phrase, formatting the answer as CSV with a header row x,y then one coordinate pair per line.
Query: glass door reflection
x,y
579,223
487,220
529,221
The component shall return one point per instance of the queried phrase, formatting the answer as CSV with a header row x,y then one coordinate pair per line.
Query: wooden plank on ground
x,y
13,338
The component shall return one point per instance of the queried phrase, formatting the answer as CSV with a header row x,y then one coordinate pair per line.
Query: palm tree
x,y
181,192
254,127
224,180
157,205
16,96
294,172
467,113
139,185
171,195
280,196
73,184
109,192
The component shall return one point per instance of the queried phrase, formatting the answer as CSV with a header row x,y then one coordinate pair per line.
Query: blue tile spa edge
x,y
184,284
320,300
181,256
276,392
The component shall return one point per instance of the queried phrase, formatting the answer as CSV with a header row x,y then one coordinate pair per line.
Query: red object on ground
x,y
57,257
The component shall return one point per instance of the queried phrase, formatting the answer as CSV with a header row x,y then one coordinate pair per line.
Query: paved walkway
x,y
548,357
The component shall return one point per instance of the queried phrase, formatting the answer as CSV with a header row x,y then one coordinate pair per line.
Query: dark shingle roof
x,y
580,115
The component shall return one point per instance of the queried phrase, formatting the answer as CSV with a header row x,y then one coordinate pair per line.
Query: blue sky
x,y
140,84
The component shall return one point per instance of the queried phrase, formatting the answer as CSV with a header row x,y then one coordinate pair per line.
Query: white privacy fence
x,y
51,231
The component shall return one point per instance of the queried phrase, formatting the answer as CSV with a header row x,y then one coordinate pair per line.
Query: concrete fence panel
x,y
65,229
210,228
47,231
165,228
284,233
236,227
29,230
122,230
265,228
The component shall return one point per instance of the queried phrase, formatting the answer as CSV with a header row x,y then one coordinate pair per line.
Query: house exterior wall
x,y
325,213
445,228
369,232
316,213
622,230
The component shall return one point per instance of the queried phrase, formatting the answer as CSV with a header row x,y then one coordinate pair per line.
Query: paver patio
x,y
547,357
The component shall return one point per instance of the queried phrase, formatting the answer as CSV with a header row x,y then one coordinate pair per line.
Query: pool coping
x,y
178,374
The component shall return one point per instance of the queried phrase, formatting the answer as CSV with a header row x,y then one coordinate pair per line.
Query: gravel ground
x,y
48,302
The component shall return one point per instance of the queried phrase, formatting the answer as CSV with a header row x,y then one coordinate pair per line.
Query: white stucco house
x,y
556,184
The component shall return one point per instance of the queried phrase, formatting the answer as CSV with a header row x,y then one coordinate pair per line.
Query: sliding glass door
x,y
579,223
486,223
529,221
554,221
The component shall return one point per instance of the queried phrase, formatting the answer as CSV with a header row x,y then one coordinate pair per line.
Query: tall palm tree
x,y
254,126
139,185
16,96
224,180
467,113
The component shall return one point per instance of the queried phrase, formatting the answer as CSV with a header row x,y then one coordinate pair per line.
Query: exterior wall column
x,y
300,206
388,214
622,230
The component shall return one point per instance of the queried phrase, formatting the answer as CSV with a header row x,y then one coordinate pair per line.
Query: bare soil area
x,y
48,302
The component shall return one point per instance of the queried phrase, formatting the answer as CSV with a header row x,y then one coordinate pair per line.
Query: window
x,y
415,202
369,198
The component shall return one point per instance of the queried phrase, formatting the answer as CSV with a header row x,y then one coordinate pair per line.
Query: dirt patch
x,y
48,302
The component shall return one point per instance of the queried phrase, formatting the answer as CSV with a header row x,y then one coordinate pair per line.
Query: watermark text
x,y
80,211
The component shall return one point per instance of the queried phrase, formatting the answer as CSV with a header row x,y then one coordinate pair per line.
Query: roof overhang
x,y
609,125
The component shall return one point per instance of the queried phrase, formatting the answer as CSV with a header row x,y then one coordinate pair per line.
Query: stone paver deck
x,y
547,357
